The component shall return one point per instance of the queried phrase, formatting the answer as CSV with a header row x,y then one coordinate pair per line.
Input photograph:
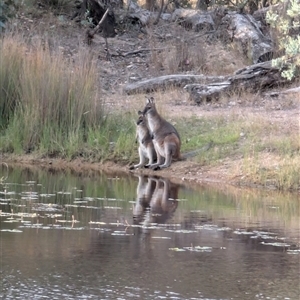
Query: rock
x,y
246,33
193,19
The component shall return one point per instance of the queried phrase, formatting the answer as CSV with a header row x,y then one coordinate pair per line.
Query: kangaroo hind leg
x,y
169,149
160,160
151,155
167,162
142,160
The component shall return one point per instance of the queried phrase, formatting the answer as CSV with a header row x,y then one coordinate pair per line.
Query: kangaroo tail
x,y
194,153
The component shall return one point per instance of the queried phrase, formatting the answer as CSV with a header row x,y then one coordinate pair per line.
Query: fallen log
x,y
167,81
200,92
295,90
254,78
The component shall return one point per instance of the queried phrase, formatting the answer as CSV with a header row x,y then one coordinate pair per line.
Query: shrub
x,y
286,23
8,9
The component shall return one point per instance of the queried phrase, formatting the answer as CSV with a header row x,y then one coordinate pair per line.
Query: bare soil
x,y
165,49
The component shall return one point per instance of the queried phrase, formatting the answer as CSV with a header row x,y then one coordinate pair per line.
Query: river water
x,y
98,236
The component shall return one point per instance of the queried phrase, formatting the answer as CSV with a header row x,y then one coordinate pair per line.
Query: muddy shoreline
x,y
186,173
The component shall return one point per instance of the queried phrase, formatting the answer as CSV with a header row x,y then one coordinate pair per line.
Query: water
x,y
97,236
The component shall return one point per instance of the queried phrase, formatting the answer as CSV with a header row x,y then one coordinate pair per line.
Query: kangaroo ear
x,y
150,100
140,113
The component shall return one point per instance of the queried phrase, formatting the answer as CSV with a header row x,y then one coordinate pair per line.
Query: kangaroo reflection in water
x,y
156,201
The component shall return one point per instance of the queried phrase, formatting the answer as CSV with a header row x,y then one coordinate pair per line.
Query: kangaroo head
x,y
141,118
150,106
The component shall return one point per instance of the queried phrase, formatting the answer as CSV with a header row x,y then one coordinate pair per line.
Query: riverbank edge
x,y
190,177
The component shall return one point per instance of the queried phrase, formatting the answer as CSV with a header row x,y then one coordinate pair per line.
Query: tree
x,y
286,23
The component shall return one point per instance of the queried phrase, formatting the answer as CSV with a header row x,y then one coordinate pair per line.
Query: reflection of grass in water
x,y
70,185
66,189
246,207
100,192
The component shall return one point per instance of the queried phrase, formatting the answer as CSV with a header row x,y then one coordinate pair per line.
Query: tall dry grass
x,y
50,104
11,63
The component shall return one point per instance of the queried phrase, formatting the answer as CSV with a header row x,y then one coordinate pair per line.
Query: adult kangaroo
x,y
156,200
146,147
144,192
166,139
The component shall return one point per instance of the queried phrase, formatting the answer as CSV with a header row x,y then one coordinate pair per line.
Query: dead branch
x,y
164,82
159,13
138,51
295,90
91,33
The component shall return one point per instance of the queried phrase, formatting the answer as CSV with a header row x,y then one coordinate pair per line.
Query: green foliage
x,y
286,23
199,133
8,9
125,138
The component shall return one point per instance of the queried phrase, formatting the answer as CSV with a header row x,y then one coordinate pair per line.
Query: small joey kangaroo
x,y
165,137
146,147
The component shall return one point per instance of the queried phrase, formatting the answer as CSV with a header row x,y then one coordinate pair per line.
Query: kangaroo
x,y
165,137
146,147
144,191
164,200
156,200
156,203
